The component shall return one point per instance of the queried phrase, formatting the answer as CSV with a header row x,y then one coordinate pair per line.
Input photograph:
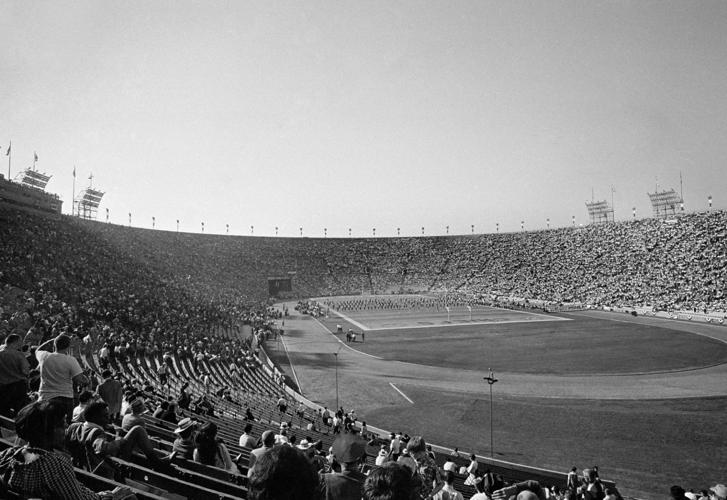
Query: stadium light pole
x,y
203,227
227,229
447,229
252,230
349,232
301,231
473,228
336,355
497,226
398,231
153,222
276,230
422,230
373,231
522,225
491,381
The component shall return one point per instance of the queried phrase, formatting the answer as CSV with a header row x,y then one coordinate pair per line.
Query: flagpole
x,y
73,197
10,156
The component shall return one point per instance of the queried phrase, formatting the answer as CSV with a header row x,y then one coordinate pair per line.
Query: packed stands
x,y
178,318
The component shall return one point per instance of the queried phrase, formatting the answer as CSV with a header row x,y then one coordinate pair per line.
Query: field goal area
x,y
393,312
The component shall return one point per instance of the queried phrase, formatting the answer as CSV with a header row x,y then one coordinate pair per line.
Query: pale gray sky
x,y
367,114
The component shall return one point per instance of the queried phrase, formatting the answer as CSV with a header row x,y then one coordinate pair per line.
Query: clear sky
x,y
367,114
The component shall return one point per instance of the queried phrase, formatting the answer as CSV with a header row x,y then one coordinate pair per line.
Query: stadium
x,y
410,250
624,387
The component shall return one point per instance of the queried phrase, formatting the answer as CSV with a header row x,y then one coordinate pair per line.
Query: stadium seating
x,y
152,296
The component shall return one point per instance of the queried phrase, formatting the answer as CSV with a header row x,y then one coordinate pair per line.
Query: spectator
x,y
448,492
283,473
14,370
349,451
59,372
530,490
471,470
183,444
382,456
572,480
111,392
593,489
449,465
138,408
246,439
391,481
407,461
38,470
480,490
268,440
427,472
209,449
84,399
90,445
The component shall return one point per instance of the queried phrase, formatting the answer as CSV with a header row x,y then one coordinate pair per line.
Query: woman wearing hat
x,y
39,470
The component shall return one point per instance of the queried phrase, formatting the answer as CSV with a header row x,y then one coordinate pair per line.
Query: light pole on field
x,y
491,381
336,355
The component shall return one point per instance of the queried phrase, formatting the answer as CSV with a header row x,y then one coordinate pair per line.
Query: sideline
x,y
290,364
399,391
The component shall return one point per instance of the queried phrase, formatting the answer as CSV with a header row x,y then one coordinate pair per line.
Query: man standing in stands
x,y
59,372
112,392
349,451
162,372
14,369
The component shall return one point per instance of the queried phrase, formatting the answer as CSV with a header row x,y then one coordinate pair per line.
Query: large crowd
x,y
71,287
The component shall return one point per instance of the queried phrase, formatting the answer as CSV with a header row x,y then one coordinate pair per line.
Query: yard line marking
x,y
350,320
402,394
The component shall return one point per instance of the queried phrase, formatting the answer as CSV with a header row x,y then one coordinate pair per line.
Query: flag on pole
x,y
9,148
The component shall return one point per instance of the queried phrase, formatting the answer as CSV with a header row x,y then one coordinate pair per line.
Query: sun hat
x,y
184,424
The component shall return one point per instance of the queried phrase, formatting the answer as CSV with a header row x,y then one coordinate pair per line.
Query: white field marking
x,y
402,394
344,344
290,363
350,320
667,319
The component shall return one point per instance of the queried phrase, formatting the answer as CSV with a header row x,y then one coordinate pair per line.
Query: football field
x,y
633,395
